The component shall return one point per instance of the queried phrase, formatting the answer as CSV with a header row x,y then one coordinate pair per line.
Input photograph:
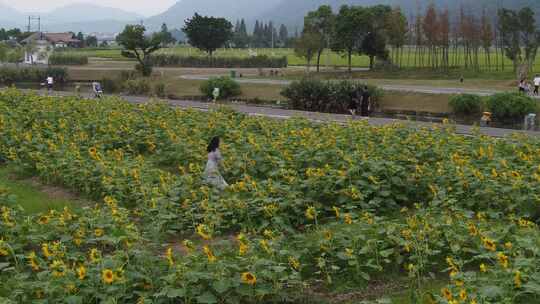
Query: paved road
x,y
397,88
314,116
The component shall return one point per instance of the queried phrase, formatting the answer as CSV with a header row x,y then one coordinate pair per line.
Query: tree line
x,y
264,35
352,30
465,39
434,38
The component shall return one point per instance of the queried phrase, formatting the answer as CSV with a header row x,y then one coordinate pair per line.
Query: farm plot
x,y
311,208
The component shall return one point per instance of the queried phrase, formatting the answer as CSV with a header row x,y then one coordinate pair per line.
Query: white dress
x,y
212,176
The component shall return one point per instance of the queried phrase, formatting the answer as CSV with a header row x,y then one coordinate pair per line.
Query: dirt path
x,y
386,87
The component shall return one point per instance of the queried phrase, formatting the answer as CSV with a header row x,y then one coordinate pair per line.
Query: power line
x,y
31,20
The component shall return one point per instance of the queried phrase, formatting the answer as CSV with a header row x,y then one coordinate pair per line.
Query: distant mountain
x,y
292,12
85,12
97,26
80,17
88,18
230,9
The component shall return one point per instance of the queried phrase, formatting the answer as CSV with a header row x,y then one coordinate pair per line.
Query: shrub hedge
x,y
466,104
227,87
325,96
68,59
511,106
10,75
139,86
262,61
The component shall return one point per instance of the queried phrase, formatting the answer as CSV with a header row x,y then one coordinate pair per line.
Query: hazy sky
x,y
143,7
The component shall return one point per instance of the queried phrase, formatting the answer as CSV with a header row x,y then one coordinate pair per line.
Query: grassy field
x,y
185,88
329,58
33,196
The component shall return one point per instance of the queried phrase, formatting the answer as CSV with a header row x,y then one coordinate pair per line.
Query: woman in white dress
x,y
212,176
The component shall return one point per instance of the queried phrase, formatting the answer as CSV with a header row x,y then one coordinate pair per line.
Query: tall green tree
x,y
487,37
351,28
208,33
283,35
321,22
166,35
397,29
307,45
3,34
17,34
91,41
140,46
520,38
80,37
530,36
240,38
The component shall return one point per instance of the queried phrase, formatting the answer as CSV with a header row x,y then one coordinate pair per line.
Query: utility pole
x,y
272,29
31,19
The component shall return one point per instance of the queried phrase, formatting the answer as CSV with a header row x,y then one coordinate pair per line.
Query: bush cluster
x,y
226,85
63,58
131,83
325,96
511,106
466,104
261,61
10,75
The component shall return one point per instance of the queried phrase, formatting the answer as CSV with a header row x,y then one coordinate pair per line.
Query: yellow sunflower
x,y
203,231
81,272
249,278
447,294
489,244
311,213
503,259
99,232
107,276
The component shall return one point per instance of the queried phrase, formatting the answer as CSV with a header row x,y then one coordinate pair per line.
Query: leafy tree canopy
x,y
208,33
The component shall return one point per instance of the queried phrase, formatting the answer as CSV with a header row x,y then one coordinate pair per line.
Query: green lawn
x,y
329,58
33,196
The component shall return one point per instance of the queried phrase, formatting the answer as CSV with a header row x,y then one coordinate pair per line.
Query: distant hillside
x,y
291,12
79,17
230,9
93,18
100,26
84,12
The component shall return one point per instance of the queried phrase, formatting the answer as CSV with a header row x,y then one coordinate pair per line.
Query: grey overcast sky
x,y
143,7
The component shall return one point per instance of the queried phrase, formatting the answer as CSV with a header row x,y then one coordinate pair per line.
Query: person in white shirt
x,y
536,84
98,91
50,83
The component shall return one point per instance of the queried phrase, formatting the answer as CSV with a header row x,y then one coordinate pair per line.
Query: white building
x,y
39,46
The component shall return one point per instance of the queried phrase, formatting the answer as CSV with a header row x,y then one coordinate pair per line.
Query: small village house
x,y
39,46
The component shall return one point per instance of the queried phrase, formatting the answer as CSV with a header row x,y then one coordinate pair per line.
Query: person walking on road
x,y
50,83
536,84
98,91
522,86
212,177
354,100
365,106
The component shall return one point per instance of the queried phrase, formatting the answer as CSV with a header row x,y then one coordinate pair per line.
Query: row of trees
x,y
14,33
464,39
203,32
434,39
265,35
353,30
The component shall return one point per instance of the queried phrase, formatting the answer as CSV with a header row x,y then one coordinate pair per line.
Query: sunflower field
x,y
312,210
